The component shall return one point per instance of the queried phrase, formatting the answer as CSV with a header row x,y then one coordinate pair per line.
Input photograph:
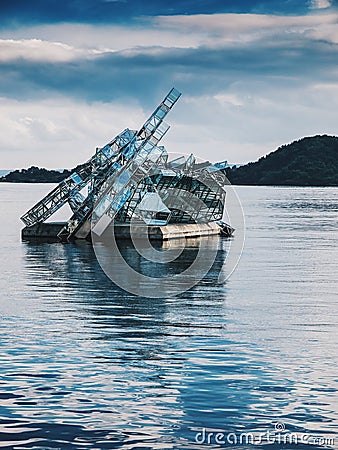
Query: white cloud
x,y
321,4
64,42
83,39
59,132
218,29
67,42
240,122
327,32
248,120
38,50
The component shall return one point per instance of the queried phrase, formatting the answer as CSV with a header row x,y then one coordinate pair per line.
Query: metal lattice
x,y
119,175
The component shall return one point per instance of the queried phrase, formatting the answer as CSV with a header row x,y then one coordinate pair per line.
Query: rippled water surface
x,y
87,365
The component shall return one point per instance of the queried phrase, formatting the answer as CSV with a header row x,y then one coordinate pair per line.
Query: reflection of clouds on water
x,y
168,365
165,365
130,352
86,362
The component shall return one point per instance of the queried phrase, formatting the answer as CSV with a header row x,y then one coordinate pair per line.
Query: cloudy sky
x,y
254,74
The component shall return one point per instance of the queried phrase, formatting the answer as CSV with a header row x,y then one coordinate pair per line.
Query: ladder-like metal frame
x,y
76,181
98,165
146,139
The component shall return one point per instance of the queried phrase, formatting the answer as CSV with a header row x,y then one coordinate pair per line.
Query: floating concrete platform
x,y
43,231
49,231
166,232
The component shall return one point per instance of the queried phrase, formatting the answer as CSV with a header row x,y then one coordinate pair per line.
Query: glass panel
x,y
177,162
103,205
76,178
107,151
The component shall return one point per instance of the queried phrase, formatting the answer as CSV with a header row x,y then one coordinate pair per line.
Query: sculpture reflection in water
x,y
70,276
152,269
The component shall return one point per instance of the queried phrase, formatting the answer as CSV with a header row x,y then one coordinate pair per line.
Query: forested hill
x,y
35,175
311,161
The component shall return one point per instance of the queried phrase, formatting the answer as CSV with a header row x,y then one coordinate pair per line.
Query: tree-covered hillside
x,y
35,175
311,161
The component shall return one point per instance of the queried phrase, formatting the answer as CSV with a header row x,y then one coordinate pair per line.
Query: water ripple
x,y
86,365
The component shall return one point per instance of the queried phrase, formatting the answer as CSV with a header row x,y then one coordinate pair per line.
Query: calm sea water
x,y
87,365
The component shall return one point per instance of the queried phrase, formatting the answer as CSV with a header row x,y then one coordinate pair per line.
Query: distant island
x,y
311,161
36,175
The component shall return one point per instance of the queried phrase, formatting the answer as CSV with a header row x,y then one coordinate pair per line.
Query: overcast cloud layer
x,y
254,75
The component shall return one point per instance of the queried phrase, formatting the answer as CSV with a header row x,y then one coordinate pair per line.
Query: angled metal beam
x,y
96,166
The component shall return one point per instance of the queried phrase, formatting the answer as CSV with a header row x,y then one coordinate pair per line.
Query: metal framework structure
x,y
131,177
